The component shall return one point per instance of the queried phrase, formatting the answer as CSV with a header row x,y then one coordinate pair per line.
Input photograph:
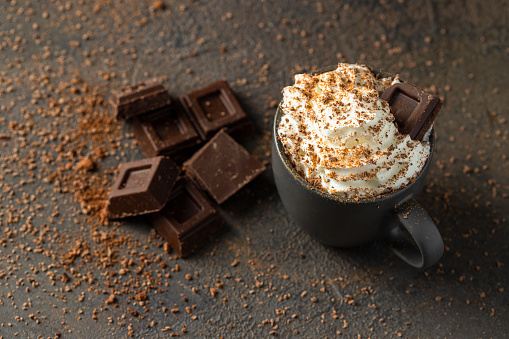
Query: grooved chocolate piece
x,y
139,99
141,187
413,108
165,131
187,220
222,167
214,107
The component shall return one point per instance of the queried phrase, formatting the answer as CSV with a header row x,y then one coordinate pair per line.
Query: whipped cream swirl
x,y
341,137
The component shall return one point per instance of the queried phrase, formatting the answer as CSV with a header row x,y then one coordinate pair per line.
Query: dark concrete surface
x,y
270,278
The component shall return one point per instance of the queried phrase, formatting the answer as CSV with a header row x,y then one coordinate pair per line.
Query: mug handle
x,y
423,245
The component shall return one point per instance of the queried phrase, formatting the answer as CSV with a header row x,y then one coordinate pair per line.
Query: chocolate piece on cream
x,y
413,108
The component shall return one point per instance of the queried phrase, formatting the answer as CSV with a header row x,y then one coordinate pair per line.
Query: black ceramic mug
x,y
395,217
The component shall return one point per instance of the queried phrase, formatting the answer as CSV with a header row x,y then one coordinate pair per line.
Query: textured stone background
x,y
270,277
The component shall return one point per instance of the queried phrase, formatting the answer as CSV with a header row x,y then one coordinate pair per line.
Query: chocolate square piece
x,y
142,187
139,99
222,167
413,108
165,131
187,220
214,107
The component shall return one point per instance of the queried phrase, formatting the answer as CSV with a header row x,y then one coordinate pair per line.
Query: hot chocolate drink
x,y
342,138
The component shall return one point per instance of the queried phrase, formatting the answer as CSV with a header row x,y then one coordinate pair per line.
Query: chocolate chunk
x,y
165,131
187,220
222,167
214,107
139,99
413,108
141,187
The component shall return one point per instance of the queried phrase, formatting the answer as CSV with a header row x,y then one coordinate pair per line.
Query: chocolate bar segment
x,y
214,107
142,187
413,108
139,99
165,131
222,167
187,220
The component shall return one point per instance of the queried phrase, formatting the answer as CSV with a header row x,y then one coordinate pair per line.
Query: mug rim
x,y
324,194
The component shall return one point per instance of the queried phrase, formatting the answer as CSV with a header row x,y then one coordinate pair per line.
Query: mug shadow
x,y
475,240
260,190
471,226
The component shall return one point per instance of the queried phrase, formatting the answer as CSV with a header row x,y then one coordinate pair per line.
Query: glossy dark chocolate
x,y
214,107
165,131
139,99
187,220
413,108
222,167
142,187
